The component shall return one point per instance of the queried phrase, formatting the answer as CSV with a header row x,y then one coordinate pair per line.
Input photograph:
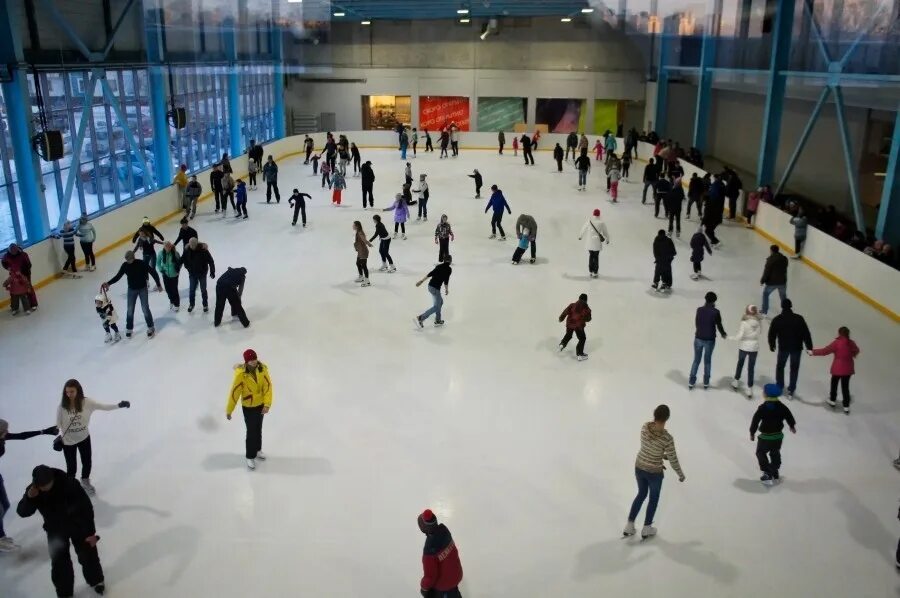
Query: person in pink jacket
x,y
844,351
753,205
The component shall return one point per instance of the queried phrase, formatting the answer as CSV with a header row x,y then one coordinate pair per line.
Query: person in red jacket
x,y
576,315
16,260
844,351
442,571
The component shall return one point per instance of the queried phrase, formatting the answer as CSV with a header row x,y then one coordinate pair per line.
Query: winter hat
x,y
582,297
4,426
787,304
427,520
41,475
493,187
772,390
100,299
145,220
249,355
184,167
597,212
711,297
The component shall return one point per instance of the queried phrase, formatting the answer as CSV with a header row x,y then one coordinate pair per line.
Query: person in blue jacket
x,y
498,203
241,199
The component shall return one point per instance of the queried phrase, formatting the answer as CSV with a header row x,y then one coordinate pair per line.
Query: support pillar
x,y
662,87
278,82
887,227
781,55
235,132
704,84
158,111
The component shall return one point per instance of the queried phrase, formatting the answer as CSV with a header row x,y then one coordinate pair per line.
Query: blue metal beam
x,y
123,122
817,31
704,85
849,162
153,36
804,136
887,226
277,41
229,43
116,28
63,24
781,54
662,87
86,112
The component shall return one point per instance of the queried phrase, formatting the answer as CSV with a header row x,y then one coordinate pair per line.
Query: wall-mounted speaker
x,y
179,118
49,145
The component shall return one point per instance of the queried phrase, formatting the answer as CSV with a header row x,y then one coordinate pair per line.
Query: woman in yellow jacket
x,y
252,386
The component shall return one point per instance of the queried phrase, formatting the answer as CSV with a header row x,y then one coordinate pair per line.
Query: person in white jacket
x,y
72,418
748,348
595,235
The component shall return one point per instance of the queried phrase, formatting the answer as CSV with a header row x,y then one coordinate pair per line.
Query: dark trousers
x,y
675,217
171,285
798,244
750,357
692,201
401,226
443,249
252,177
657,200
517,254
697,265
229,294
559,165
579,332
193,283
272,186
783,357
300,210
768,453
710,230
428,146
732,207
220,201
4,506
845,388
648,483
326,180
443,151
61,571
227,197
384,250
308,154
423,208
15,301
574,151
648,185
241,207
367,195
362,266
625,168
83,448
663,271
495,224
356,164
70,258
593,261
501,149
477,191
253,420
88,250
528,157
454,145
453,593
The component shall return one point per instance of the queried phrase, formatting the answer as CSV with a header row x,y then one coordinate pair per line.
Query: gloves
x,y
52,431
124,404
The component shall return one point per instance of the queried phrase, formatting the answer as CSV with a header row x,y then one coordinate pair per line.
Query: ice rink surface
x,y
526,454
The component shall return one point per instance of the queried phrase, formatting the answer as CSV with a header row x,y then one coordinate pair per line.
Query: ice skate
x,y
108,338
493,236
897,463
790,395
438,323
127,334
251,464
358,279
7,545
563,348
205,309
366,283
767,479
117,337
678,234
418,218
15,312
100,588
832,403
177,309
383,268
418,321
502,238
150,332
403,236
514,263
88,487
846,411
735,384
749,392
629,530
532,260
394,236
695,276
648,531
260,455
582,357
392,269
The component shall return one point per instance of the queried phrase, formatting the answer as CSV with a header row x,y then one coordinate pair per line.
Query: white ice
x,y
525,453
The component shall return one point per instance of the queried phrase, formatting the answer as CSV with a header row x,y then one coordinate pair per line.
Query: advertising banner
x,y
561,115
500,114
438,112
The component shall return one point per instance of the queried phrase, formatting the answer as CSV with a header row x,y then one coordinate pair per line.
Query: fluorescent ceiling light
x,y
566,19
366,23
339,14
587,10
295,1
464,20
462,11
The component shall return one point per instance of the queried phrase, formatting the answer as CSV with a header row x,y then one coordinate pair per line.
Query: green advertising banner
x,y
606,116
500,114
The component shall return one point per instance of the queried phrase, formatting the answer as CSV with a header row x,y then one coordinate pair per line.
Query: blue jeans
x,y
436,308
647,482
702,349
582,178
750,356
4,506
783,356
194,282
133,295
403,153
767,290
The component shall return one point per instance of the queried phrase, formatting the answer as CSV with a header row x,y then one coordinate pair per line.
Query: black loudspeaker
x,y
49,145
179,118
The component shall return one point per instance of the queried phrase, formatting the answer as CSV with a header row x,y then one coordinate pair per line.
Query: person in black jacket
x,y
146,225
526,149
68,519
769,421
774,277
733,186
368,183
298,202
230,288
663,253
215,184
714,209
707,321
185,234
479,181
198,262
674,200
558,156
695,195
651,175
661,189
256,152
790,332
136,273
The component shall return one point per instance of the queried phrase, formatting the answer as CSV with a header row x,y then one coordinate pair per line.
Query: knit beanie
x,y
597,212
427,521
249,355
772,391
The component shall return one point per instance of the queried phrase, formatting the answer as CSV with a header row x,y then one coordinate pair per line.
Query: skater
x,y
572,145
270,176
535,139
108,317
315,163
521,246
368,184
180,181
198,262
674,200
145,243
252,387
611,162
706,322
192,196
227,193
515,146
748,348
651,175
443,234
361,245
526,226
497,203
598,150
445,140
404,143
226,164
256,152
501,141
714,211
354,154
609,146
428,146
414,140
19,289
576,316
613,175
790,332
6,543
67,234
73,416
241,207
478,182
441,570
597,235
695,195
801,224
68,519
423,198
168,262
401,214
699,244
656,444
583,164
252,169
583,144
87,235
344,155
440,276
733,186
384,245
16,260
558,156
215,185
407,174
769,421
774,277
626,165
526,149
842,367
753,199
230,288
308,146
326,175
298,202
454,139
339,183
663,254
136,273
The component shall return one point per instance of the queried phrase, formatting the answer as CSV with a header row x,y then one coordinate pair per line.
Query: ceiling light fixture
x,y
464,20
462,11
587,10
339,14
566,19
366,23
295,1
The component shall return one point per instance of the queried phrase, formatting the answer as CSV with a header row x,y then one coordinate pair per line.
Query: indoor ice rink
x,y
525,453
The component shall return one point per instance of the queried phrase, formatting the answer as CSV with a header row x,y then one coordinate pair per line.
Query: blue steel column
x,y
704,84
278,83
662,86
161,151
888,225
781,55
229,42
18,112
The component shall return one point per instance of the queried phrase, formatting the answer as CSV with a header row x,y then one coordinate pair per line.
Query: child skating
x,y
576,316
401,214
521,246
298,202
326,174
769,421
108,317
443,234
479,181
252,169
384,245
241,201
19,290
315,162
699,244
748,348
842,367
515,145
423,198
339,184
407,174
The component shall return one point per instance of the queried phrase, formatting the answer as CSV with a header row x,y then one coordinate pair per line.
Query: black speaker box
x,y
179,118
49,145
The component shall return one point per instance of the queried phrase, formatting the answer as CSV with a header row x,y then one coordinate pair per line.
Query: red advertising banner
x,y
437,112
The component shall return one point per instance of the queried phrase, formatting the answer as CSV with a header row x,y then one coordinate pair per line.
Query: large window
x,y
203,92
257,103
12,227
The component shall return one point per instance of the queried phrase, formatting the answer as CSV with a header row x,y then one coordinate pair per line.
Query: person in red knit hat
x,y
252,386
442,571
